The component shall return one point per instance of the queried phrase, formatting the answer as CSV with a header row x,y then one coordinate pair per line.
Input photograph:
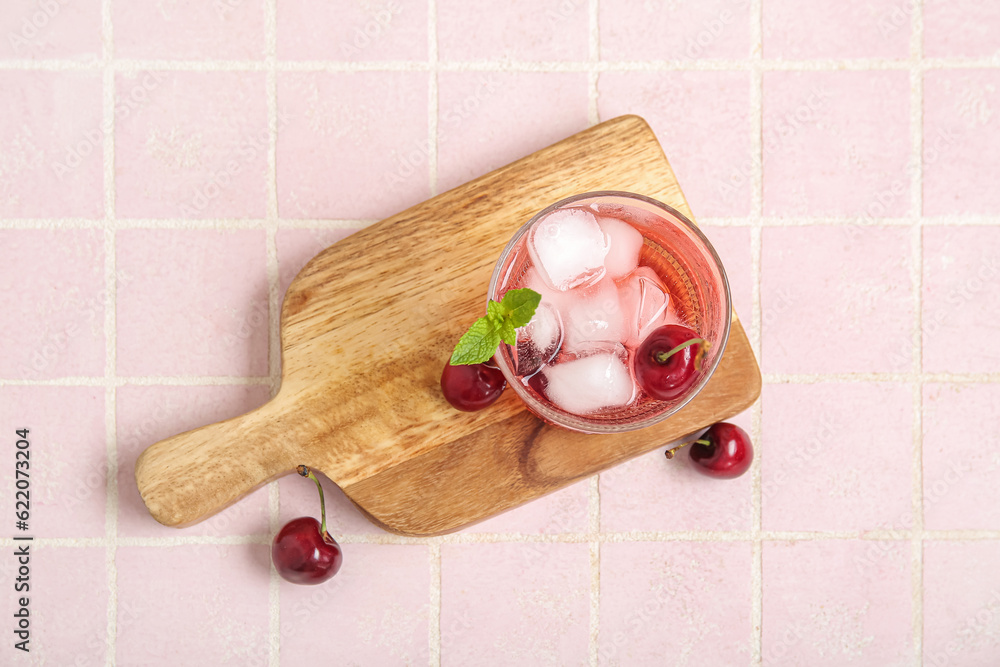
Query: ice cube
x,y
568,247
533,280
592,318
645,303
624,244
538,341
586,385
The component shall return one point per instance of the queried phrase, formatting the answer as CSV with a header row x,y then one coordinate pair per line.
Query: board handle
x,y
191,476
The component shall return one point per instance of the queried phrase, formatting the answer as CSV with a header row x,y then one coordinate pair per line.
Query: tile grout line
x,y
756,333
242,380
588,538
594,531
834,221
433,138
917,264
110,331
434,608
683,64
809,378
121,381
344,223
432,97
594,484
861,221
273,302
594,55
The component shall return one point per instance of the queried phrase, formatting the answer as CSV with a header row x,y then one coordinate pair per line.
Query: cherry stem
x,y
306,472
661,357
670,452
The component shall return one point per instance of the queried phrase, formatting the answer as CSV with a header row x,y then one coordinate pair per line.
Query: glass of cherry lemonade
x,y
612,269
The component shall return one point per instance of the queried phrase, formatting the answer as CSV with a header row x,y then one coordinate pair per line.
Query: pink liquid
x,y
610,312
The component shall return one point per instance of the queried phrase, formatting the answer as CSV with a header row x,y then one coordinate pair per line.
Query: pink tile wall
x,y
219,326
52,322
702,119
43,30
189,29
850,29
959,298
961,28
680,602
636,30
67,456
51,139
961,613
837,602
960,489
533,30
487,119
167,168
68,606
190,144
218,608
351,145
359,32
837,299
836,143
817,475
962,142
376,612
514,603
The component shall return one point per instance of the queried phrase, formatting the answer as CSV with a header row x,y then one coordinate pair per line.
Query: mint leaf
x,y
495,314
502,321
519,305
508,332
477,345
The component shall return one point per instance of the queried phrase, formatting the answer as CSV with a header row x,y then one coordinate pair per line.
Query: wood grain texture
x,y
366,328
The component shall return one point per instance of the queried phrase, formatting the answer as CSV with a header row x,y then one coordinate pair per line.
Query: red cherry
x,y
724,451
303,555
667,362
472,387
303,551
539,383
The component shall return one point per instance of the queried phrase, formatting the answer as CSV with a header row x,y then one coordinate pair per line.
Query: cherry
x,y
472,387
724,451
303,551
539,383
667,362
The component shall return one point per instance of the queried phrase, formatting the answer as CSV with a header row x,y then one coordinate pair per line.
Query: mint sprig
x,y
501,323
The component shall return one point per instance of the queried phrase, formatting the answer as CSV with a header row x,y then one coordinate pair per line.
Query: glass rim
x,y
579,423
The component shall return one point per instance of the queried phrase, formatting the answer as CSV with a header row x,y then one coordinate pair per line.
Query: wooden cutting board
x,y
366,328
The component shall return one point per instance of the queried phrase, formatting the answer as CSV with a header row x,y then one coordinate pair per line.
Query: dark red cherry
x,y
668,361
304,556
472,387
724,451
303,551
539,383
